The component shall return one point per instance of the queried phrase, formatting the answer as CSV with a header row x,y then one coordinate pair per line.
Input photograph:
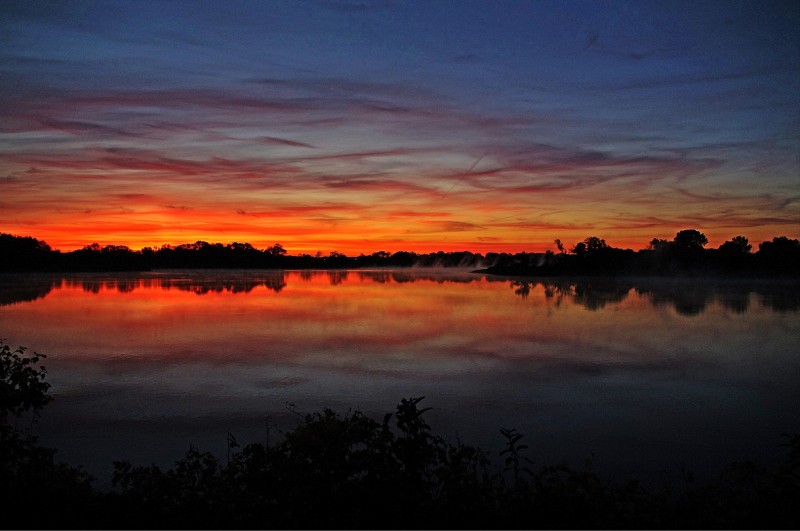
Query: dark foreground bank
x,y
351,471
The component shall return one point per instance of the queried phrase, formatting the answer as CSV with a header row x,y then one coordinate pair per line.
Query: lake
x,y
643,376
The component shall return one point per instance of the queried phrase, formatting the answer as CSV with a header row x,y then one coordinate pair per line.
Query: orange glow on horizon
x,y
499,207
356,202
298,242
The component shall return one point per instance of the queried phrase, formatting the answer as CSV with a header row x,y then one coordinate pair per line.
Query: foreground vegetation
x,y
684,255
351,471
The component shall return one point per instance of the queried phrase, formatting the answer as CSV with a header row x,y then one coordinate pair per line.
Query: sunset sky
x,y
361,126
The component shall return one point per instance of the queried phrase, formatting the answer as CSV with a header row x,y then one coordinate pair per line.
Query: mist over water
x,y
647,376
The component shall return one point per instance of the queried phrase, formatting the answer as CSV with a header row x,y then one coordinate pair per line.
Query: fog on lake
x,y
644,376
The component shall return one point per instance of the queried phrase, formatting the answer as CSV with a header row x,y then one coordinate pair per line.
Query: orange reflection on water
x,y
613,367
402,321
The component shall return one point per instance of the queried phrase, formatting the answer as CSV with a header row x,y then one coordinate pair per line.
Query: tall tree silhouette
x,y
689,240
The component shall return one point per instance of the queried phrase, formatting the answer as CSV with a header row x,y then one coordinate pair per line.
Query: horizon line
x,y
319,253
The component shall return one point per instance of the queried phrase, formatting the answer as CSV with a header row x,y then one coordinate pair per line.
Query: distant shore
x,y
684,256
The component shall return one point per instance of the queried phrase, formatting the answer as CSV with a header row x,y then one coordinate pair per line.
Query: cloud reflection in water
x,y
647,370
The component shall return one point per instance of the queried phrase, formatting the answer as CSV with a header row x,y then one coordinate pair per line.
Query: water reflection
x,y
687,297
25,288
336,277
592,294
620,367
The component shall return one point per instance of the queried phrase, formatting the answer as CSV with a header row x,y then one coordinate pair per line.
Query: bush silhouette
x,y
351,471
37,491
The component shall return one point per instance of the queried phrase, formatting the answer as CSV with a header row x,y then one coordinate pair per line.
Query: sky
x,y
358,126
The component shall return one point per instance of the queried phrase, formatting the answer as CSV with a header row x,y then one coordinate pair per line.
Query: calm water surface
x,y
645,376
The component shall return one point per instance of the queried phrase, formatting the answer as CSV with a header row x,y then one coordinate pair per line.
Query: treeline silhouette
x,y
685,255
24,253
351,471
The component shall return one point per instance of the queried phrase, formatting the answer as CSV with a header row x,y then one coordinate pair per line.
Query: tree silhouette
x,y
690,240
275,250
780,256
684,256
658,244
590,245
736,246
35,254
594,244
